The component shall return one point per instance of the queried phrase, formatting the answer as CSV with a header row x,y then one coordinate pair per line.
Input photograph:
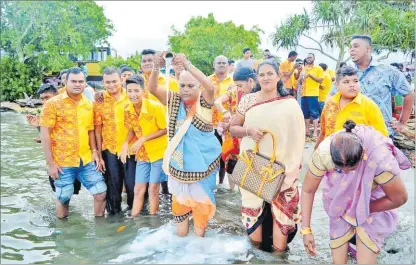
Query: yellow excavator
x,y
91,62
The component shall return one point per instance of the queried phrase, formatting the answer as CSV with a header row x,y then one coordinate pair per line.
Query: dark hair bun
x,y
349,125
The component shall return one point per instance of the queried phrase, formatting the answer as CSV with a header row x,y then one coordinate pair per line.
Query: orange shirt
x,y
220,88
70,123
110,114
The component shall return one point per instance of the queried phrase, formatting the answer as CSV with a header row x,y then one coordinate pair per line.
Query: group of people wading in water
x,y
142,131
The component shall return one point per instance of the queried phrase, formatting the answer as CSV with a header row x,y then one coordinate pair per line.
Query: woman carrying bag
x,y
284,122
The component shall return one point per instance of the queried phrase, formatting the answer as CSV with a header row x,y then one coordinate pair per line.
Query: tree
x,y
38,36
390,24
204,38
133,61
50,29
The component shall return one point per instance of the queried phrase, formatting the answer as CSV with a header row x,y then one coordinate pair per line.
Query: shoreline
x,y
404,143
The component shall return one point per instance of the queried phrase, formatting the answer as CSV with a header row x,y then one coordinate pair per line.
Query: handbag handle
x,y
256,148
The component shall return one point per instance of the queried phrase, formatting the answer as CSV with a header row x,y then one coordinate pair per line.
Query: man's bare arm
x,y
45,136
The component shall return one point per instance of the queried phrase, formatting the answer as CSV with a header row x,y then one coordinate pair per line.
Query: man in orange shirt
x,y
287,69
221,81
110,133
46,92
68,141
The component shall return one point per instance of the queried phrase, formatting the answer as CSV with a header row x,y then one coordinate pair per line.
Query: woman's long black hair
x,y
282,91
244,73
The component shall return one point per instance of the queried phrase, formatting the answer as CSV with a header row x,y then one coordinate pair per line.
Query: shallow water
x,y
30,233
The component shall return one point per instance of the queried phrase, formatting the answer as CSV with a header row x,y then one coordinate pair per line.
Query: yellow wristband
x,y
306,231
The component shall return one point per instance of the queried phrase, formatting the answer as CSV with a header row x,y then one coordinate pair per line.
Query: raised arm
x,y
159,92
208,92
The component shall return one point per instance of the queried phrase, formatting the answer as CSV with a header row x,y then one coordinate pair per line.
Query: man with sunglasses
x,y
46,92
221,81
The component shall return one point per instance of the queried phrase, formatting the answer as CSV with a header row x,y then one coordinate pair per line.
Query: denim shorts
x,y
321,107
310,108
91,179
147,172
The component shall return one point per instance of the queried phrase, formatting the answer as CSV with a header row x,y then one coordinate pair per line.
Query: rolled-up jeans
x,y
91,179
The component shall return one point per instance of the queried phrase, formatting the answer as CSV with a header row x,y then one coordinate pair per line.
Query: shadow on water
x,y
30,233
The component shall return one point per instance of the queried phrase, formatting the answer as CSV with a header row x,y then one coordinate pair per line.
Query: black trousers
x,y
116,173
222,163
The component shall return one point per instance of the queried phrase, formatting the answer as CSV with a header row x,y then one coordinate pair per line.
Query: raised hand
x,y
158,60
180,59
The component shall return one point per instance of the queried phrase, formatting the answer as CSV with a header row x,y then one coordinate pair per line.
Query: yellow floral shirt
x,y
70,123
362,110
110,115
220,88
152,118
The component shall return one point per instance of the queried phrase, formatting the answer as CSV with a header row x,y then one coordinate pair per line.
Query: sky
x,y
137,28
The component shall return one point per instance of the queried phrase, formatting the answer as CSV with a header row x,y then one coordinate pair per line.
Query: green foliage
x,y
17,78
52,29
204,38
133,61
390,24
41,34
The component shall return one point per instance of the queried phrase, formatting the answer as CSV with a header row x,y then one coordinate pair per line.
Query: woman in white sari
x,y
270,107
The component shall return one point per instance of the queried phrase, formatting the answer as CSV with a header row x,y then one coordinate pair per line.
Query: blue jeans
x,y
310,108
147,172
321,107
91,179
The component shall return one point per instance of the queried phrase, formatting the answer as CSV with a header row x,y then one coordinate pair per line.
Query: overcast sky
x,y
137,28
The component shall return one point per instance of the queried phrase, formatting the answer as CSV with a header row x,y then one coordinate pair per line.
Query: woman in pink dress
x,y
362,188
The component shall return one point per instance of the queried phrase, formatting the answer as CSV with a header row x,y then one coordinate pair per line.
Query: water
x,y
30,233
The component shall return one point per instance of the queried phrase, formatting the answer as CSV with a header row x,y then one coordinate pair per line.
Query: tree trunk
x,y
20,53
340,56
